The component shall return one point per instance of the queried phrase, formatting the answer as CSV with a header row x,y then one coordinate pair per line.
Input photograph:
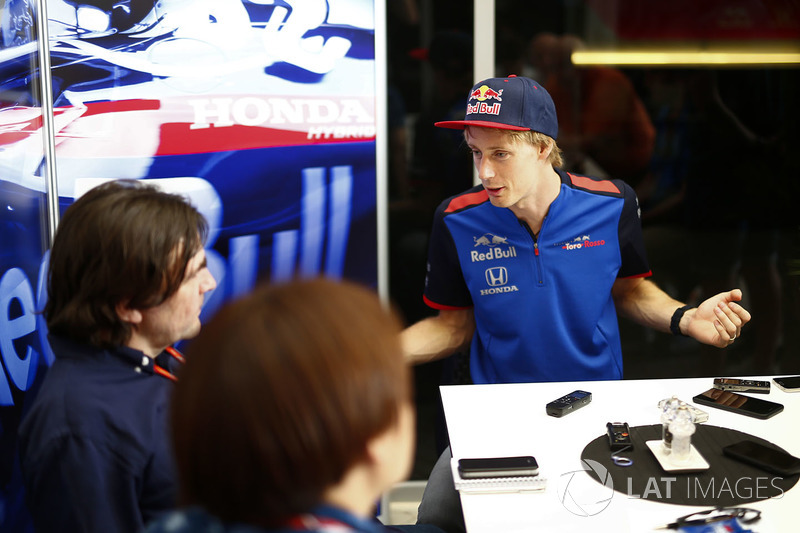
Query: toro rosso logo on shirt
x,y
581,242
497,279
495,251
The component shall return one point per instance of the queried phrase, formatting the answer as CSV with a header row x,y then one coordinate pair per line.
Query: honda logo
x,y
496,276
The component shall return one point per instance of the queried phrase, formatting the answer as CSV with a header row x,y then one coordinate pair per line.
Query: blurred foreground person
x,y
293,413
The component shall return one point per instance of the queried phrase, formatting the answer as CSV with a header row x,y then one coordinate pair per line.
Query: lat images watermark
x,y
589,491
743,488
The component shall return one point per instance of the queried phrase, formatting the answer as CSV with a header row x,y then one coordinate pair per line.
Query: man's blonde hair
x,y
537,139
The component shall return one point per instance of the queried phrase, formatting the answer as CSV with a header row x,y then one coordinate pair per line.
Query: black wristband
x,y
674,324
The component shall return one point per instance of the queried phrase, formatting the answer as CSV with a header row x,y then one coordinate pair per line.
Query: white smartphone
x,y
788,383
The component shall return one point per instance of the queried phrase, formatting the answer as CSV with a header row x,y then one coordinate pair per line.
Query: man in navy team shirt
x,y
530,268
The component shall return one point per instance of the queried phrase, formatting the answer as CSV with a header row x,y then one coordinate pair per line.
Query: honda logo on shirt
x,y
496,276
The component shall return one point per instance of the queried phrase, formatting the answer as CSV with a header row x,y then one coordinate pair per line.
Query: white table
x,y
510,420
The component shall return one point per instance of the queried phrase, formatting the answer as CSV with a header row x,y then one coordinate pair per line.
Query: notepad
x,y
497,484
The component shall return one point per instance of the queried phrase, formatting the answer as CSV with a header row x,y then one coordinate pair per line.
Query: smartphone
x,y
788,383
738,403
765,457
488,467
742,385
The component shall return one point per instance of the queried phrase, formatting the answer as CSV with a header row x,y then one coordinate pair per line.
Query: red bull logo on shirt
x,y
491,240
481,94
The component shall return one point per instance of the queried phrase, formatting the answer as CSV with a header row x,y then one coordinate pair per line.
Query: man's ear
x,y
128,314
544,151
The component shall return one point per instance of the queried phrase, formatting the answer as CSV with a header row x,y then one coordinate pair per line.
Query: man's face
x,y
178,317
507,169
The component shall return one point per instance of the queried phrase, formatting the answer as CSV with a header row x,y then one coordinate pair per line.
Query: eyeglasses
x,y
744,515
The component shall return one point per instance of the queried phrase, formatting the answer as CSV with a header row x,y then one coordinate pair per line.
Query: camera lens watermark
x,y
580,494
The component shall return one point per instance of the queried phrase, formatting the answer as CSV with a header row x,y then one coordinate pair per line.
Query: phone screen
x,y
789,382
498,467
764,457
738,403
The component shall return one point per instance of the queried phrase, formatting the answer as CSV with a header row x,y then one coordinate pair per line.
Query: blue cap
x,y
512,103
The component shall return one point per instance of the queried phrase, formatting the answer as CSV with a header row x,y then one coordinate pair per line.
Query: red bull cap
x,y
511,103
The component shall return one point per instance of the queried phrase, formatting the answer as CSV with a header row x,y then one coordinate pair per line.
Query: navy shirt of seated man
x,y
127,279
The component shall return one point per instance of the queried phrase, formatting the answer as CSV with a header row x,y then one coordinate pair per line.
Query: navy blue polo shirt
x,y
94,447
542,304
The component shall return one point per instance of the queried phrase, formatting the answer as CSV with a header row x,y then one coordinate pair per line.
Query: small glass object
x,y
669,407
682,428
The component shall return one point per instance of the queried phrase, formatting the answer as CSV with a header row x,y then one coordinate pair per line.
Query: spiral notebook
x,y
497,484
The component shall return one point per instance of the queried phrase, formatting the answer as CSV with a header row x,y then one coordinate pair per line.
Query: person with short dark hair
x,y
127,278
294,413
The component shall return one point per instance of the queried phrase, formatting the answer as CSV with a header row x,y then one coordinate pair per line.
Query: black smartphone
x,y
488,467
788,383
738,403
742,385
769,459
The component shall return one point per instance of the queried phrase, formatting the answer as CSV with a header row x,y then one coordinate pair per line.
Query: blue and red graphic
x,y
262,112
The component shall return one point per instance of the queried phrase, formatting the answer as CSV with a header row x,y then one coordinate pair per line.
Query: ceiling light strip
x,y
684,58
